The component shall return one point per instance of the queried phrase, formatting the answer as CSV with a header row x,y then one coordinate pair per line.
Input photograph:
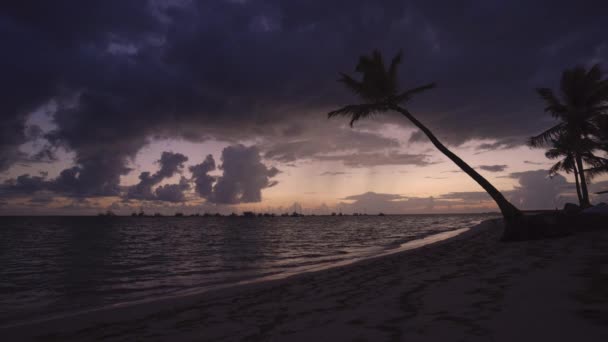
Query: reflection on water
x,y
52,265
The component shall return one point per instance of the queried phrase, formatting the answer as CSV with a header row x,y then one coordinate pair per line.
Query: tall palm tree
x,y
581,112
379,91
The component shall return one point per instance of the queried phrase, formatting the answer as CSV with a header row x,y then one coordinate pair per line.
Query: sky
x,y
221,105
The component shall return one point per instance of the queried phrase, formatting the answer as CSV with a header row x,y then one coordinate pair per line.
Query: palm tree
x,y
581,112
379,91
567,150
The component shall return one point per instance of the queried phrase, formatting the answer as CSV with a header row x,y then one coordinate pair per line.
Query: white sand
x,y
468,288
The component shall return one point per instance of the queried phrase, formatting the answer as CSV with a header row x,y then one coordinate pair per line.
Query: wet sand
x,y
468,288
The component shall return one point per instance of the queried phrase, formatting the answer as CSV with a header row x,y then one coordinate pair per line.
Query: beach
x,y
470,287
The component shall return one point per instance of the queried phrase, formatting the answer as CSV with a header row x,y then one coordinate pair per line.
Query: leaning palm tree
x,y
379,91
581,112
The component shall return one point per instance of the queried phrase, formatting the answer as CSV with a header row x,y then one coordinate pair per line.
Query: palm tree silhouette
x,y
581,112
379,90
566,150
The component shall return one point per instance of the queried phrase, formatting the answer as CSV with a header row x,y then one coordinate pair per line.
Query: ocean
x,y
60,265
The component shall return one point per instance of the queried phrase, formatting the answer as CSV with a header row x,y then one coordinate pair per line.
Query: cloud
x,y
324,140
493,168
173,192
371,202
170,164
374,197
334,173
120,73
501,144
467,196
244,176
25,185
536,190
533,162
378,159
202,180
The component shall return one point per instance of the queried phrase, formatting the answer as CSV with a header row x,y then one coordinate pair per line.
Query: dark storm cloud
x,y
493,168
79,181
325,139
170,164
202,180
24,184
51,46
244,176
121,72
173,192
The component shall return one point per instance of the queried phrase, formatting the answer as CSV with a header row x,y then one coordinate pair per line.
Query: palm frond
x,y
406,95
554,153
599,96
569,164
546,137
596,171
378,61
555,169
352,84
554,106
377,87
358,111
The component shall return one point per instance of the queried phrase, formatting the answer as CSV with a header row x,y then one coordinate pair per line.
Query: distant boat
x,y
602,192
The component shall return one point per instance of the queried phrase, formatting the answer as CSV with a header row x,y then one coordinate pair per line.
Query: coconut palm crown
x,y
379,88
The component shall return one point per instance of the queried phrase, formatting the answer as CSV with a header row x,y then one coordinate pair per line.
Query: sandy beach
x,y
468,288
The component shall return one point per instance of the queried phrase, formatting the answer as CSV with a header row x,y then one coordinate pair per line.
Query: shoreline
x,y
369,297
149,305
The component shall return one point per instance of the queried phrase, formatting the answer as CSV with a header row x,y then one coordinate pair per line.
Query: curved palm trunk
x,y
511,215
578,187
585,192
